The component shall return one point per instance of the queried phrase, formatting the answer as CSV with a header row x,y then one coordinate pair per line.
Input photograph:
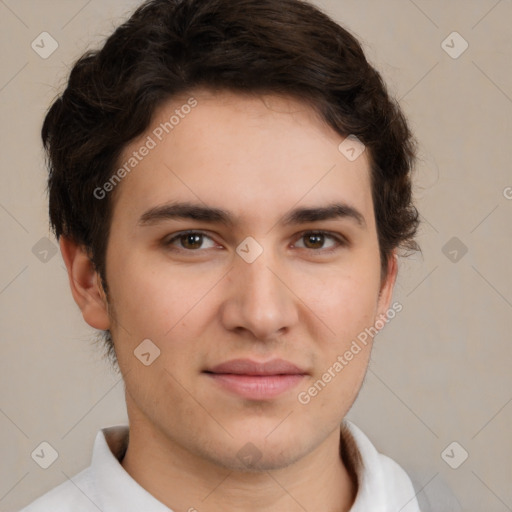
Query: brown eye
x,y
190,241
320,241
314,240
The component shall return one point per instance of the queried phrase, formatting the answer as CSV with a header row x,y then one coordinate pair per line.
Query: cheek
x,y
347,306
150,307
152,299
344,298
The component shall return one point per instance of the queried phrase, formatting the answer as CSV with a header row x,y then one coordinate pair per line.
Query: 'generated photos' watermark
x,y
157,135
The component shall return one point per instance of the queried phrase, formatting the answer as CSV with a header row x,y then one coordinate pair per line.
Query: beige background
x,y
441,368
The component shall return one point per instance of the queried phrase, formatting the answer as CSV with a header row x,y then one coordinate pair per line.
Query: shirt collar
x,y
117,491
367,466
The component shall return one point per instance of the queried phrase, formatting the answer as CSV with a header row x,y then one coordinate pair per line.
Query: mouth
x,y
256,380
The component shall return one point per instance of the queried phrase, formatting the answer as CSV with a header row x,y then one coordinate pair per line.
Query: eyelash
x,y
341,241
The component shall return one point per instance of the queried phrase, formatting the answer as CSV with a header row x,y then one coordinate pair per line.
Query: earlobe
x,y
85,284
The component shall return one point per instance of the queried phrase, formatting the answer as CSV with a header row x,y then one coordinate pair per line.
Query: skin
x,y
257,157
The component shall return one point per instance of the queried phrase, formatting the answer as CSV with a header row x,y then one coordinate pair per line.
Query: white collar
x,y
116,490
382,484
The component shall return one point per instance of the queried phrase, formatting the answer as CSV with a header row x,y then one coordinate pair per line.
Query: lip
x,y
255,380
250,367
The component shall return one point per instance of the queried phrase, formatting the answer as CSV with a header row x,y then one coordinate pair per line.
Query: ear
x,y
85,284
387,286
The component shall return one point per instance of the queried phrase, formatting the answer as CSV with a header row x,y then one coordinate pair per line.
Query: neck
x,y
186,482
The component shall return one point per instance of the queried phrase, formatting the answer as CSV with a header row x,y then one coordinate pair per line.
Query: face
x,y
243,234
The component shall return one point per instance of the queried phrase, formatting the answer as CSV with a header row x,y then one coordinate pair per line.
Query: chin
x,y
257,453
253,460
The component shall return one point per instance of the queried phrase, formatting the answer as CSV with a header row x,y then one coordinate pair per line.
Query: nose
x,y
259,300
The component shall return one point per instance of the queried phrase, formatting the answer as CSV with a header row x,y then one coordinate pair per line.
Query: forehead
x,y
250,154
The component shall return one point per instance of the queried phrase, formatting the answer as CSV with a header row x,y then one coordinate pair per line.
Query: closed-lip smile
x,y
255,380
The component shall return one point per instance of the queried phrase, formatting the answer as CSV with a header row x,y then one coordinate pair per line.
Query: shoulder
x,y
86,491
74,495
399,485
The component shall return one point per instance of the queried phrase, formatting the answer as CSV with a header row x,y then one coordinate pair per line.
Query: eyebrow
x,y
212,215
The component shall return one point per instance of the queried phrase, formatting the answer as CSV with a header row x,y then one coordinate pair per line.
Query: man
x,y
230,185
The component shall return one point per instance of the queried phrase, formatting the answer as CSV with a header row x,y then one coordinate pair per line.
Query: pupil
x,y
193,240
315,240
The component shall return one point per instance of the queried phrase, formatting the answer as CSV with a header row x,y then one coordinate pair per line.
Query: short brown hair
x,y
168,47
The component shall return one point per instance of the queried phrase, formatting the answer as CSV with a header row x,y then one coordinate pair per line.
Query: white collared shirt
x,y
383,486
